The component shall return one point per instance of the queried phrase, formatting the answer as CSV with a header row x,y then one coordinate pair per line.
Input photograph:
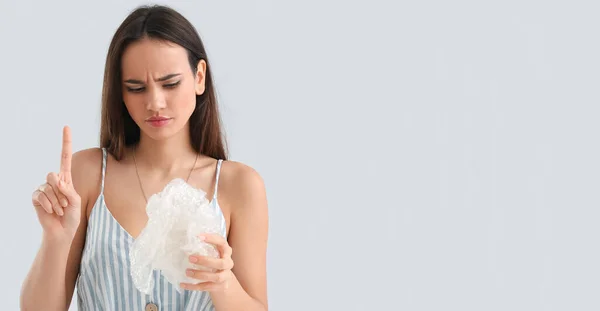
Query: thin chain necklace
x,y
140,181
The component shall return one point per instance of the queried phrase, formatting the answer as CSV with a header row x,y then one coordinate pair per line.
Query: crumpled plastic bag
x,y
176,216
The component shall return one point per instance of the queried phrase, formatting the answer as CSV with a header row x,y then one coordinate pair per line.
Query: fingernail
x,y
60,212
64,202
193,259
190,273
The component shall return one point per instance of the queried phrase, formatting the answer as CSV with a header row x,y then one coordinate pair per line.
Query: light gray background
x,y
418,155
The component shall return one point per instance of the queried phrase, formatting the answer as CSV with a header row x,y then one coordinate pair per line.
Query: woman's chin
x,y
162,133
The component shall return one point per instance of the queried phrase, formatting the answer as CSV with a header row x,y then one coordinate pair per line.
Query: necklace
x,y
140,181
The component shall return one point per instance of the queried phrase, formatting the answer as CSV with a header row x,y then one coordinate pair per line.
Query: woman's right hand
x,y
56,202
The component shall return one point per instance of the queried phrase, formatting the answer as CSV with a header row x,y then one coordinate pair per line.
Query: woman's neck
x,y
165,157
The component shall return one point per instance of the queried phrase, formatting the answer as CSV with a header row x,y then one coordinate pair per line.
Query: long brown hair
x,y
118,130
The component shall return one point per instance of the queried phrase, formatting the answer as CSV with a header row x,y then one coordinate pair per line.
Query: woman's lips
x,y
158,121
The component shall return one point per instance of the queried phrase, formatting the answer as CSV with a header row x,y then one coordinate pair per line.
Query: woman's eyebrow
x,y
167,77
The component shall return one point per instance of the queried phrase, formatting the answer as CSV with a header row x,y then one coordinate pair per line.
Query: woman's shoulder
x,y
87,161
240,183
86,170
240,175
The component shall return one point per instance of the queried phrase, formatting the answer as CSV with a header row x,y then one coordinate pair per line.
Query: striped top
x,y
104,281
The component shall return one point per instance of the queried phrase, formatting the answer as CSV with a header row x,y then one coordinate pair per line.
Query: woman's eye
x,y
141,89
135,90
172,85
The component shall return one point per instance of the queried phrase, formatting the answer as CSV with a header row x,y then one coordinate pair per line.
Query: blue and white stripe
x,y
104,281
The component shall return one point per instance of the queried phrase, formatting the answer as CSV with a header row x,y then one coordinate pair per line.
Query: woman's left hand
x,y
213,281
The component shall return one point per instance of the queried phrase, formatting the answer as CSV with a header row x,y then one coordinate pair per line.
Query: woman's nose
x,y
156,100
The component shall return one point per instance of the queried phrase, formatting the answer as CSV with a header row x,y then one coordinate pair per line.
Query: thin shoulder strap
x,y
219,162
104,156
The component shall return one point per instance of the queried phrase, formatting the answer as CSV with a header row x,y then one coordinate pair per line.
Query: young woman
x,y
160,121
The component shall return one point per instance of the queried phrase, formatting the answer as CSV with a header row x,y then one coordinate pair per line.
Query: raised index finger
x,y
65,157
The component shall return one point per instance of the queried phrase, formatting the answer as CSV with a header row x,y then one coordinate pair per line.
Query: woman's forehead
x,y
153,57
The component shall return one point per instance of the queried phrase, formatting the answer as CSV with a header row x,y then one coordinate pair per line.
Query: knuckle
x,y
52,179
47,189
43,201
206,276
50,194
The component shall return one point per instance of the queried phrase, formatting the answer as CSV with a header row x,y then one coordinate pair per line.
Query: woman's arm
x,y
50,283
51,280
243,190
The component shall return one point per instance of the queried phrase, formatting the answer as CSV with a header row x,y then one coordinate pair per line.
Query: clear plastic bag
x,y
176,216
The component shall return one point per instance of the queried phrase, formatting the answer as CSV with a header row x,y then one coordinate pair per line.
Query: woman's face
x,y
159,88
